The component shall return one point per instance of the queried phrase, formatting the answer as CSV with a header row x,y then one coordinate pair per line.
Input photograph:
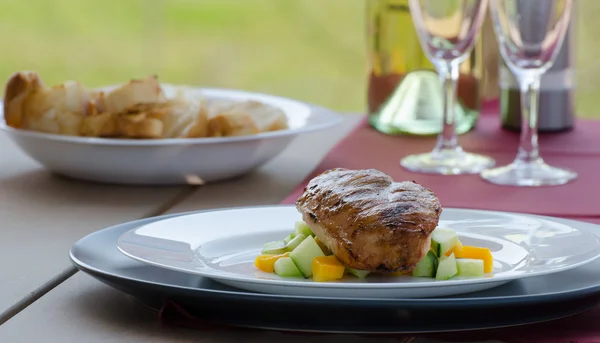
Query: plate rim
x,y
359,286
548,297
332,117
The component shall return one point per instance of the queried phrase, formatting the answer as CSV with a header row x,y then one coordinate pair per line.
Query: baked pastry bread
x,y
28,104
137,109
246,118
140,109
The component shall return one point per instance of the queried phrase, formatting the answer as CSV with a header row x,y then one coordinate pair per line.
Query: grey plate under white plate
x,y
519,302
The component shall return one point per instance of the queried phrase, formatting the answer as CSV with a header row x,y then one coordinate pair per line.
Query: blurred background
x,y
311,50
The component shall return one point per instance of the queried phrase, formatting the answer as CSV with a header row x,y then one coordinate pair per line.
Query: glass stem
x,y
528,147
448,73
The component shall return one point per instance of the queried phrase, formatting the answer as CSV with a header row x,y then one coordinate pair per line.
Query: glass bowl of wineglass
x,y
447,30
530,34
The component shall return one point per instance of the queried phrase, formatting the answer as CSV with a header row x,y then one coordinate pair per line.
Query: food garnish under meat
x,y
368,221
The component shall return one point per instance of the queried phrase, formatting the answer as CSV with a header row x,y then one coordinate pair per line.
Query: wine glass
x,y
530,34
447,30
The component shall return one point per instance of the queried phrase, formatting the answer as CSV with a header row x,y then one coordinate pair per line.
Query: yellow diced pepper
x,y
455,249
479,254
327,268
266,262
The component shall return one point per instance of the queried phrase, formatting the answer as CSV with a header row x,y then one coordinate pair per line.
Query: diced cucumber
x,y
358,273
427,267
444,239
435,247
304,254
273,248
303,229
285,267
291,245
288,238
446,268
469,267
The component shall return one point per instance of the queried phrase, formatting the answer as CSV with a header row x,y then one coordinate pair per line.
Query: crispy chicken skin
x,y
368,221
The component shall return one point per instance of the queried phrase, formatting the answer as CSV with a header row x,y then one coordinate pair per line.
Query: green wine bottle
x,y
404,92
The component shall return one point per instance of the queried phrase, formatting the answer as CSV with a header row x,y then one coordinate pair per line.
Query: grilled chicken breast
x,y
368,221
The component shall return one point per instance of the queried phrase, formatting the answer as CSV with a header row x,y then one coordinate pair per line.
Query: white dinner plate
x,y
177,160
222,245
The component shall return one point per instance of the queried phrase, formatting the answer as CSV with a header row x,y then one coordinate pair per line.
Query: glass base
x,y
529,174
447,162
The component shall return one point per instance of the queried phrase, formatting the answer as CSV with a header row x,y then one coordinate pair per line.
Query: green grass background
x,y
312,50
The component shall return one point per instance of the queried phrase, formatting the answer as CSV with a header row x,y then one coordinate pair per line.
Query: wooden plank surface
x,y
84,310
42,215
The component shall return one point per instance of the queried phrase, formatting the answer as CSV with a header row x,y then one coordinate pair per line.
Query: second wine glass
x,y
530,34
447,30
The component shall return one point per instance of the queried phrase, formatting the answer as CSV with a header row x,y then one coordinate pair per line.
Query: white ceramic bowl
x,y
172,161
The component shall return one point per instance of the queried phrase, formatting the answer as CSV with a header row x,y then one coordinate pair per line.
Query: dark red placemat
x,y
579,150
582,328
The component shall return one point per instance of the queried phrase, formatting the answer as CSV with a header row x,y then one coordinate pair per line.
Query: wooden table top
x,y
42,215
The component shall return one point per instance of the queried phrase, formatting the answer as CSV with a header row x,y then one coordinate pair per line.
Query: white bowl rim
x,y
332,119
